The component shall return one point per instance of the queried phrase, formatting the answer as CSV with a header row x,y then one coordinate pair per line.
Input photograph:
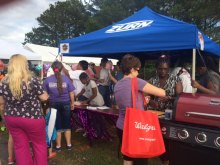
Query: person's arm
x,y
93,78
100,80
72,100
211,90
179,88
213,87
112,78
80,93
154,104
101,77
153,90
44,96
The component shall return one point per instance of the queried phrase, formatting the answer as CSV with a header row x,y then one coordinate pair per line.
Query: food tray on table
x,y
159,113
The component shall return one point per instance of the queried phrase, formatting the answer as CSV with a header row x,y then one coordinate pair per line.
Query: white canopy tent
x,y
50,54
8,49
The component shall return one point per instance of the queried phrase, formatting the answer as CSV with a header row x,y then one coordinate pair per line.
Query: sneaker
x,y
79,130
85,134
11,161
3,128
69,147
58,149
52,155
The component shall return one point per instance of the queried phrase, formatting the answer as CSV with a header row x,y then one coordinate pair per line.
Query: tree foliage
x,y
203,13
73,18
62,20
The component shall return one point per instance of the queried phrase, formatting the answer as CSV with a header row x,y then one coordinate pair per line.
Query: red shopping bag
x,y
142,137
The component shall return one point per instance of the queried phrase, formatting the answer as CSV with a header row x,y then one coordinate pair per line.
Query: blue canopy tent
x,y
142,32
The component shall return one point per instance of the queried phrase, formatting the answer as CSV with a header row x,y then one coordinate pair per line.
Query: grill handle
x,y
188,114
214,102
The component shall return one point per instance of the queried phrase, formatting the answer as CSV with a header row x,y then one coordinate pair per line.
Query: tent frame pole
x,y
194,67
219,64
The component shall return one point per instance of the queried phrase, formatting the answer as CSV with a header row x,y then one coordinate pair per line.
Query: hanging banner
x,y
64,48
201,41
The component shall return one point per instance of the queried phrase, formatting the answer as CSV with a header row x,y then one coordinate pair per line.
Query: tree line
x,y
73,18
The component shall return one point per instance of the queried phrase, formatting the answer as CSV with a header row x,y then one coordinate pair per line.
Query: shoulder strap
x,y
144,100
134,91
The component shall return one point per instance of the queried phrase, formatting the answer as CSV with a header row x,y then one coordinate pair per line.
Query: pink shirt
x,y
90,73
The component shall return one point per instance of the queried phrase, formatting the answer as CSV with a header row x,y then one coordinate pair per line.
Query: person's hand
x,y
147,99
146,102
85,102
72,106
154,104
195,84
165,98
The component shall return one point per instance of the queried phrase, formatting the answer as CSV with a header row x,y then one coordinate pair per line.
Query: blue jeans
x,y
105,92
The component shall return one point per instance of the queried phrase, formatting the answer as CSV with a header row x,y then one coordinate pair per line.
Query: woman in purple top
x,y
130,66
61,97
20,95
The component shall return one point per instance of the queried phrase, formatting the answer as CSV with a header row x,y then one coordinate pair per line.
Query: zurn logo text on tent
x,y
129,26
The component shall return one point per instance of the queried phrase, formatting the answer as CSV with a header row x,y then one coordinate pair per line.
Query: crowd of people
x,y
22,95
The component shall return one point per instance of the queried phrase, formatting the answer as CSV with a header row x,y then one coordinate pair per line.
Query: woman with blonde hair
x,y
20,96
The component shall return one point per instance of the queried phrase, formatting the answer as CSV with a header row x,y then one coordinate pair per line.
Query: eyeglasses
x,y
137,69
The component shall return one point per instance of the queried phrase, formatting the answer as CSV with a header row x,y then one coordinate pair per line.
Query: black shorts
x,y
63,115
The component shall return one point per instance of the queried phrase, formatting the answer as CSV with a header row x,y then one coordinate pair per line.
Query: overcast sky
x,y
17,19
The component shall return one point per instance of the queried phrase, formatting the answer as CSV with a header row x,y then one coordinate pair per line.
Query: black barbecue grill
x,y
191,143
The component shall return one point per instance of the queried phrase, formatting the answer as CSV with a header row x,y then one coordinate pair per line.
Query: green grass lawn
x,y
102,152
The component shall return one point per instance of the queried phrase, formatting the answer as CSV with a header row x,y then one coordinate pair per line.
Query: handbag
x,y
142,137
50,126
